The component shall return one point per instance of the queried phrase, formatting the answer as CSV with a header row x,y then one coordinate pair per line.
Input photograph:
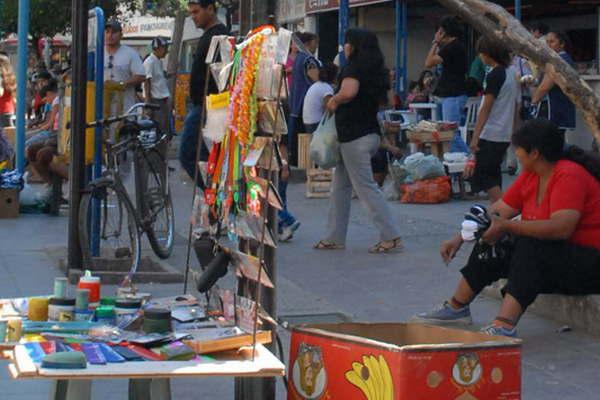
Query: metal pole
x,y
23,41
518,9
401,46
98,14
78,123
343,22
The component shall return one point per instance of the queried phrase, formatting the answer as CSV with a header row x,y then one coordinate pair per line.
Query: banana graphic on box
x,y
373,378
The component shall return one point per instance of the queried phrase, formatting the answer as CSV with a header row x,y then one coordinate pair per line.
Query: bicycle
x,y
120,223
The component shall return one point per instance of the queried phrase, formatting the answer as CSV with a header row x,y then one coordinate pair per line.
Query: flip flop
x,y
394,245
325,245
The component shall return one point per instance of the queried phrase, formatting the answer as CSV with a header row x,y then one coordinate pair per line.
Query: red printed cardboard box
x,y
395,361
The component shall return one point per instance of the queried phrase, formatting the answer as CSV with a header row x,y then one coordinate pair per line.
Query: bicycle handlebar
x,y
129,113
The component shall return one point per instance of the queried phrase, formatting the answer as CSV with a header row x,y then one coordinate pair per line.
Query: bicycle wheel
x,y
119,237
157,206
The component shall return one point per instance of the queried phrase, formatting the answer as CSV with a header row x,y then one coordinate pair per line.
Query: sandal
x,y
387,246
326,245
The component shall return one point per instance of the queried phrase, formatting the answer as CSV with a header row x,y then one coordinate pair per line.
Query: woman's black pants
x,y
534,266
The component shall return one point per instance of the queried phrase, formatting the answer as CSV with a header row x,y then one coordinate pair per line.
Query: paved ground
x,y
364,287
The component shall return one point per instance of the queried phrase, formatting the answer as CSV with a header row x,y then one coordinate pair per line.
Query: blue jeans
x,y
453,110
285,217
189,143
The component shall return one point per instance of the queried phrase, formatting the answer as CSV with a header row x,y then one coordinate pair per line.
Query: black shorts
x,y
379,162
488,172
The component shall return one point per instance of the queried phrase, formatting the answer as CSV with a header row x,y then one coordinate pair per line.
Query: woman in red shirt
x,y
556,246
8,90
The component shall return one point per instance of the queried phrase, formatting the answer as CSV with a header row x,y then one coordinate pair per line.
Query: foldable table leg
x,y
79,389
149,389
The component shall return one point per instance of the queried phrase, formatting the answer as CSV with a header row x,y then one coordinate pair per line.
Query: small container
x,y
125,308
84,315
60,287
108,301
157,320
82,299
61,309
14,329
106,315
38,309
3,328
93,284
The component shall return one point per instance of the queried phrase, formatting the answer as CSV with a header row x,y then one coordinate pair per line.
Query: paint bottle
x,y
61,309
93,284
125,308
14,329
106,315
82,299
60,287
157,320
3,329
38,309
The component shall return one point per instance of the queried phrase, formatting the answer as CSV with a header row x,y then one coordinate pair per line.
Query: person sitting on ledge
x,y
555,246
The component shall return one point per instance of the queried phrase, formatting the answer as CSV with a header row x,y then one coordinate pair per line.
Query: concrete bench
x,y
579,312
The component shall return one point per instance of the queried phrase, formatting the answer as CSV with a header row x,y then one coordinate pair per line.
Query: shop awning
x,y
318,6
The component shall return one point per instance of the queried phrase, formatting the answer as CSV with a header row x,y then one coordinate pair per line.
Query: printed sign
x,y
314,6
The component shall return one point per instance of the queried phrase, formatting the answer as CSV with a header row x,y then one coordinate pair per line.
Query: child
x,y
495,120
317,96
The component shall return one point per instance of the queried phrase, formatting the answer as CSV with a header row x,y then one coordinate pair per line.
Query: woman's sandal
x,y
325,245
387,246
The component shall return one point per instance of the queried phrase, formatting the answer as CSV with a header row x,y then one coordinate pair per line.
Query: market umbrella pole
x,y
78,123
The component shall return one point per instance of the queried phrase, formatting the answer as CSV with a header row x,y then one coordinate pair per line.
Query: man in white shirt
x,y
123,68
156,87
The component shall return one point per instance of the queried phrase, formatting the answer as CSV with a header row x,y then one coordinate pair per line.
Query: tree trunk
x,y
494,21
174,53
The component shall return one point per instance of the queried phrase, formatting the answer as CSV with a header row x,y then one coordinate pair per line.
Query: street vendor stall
x,y
75,353
76,339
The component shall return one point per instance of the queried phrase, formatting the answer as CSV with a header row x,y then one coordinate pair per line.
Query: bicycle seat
x,y
146,124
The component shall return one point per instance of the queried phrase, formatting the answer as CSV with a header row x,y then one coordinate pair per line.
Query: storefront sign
x,y
315,6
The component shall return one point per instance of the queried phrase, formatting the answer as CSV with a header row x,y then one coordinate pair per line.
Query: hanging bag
x,y
324,145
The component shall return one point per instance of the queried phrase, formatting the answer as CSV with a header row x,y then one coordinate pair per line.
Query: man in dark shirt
x,y
448,51
204,15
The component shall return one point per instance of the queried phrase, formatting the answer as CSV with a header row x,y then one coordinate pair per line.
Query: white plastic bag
x,y
324,145
33,195
420,166
216,117
391,191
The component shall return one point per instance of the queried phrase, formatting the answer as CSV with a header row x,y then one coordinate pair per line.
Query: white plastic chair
x,y
472,108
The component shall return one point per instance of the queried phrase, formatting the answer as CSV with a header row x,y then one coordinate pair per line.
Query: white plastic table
x,y
426,106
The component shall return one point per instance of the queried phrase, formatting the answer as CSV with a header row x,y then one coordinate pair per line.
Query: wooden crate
x,y
9,203
318,183
10,135
430,136
304,151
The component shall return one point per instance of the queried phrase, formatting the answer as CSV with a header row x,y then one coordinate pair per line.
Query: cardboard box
x,y
401,361
9,203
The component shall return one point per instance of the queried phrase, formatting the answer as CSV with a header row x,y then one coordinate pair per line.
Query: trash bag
x,y
420,166
399,173
324,145
428,191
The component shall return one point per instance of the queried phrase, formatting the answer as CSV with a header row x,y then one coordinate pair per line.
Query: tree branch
x,y
494,21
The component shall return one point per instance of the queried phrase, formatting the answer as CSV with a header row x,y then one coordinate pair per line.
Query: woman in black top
x,y
363,87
